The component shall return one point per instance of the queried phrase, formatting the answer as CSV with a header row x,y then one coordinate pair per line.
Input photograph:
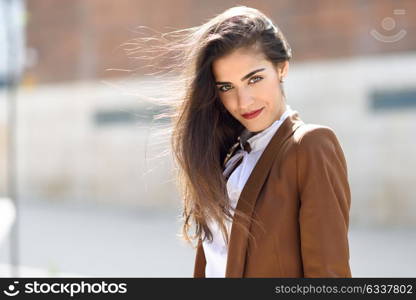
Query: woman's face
x,y
249,87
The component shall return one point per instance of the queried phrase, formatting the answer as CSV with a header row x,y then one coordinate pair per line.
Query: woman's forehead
x,y
237,64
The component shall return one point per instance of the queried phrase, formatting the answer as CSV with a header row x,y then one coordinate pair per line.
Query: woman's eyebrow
x,y
245,76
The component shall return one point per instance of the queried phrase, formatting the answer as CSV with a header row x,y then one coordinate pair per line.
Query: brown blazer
x,y
299,191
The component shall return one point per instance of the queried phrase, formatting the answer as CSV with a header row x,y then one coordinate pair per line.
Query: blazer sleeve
x,y
324,204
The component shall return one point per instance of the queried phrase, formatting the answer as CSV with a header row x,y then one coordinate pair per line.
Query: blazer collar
x,y
238,238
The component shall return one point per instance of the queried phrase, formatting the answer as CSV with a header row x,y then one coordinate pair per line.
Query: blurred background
x,y
85,189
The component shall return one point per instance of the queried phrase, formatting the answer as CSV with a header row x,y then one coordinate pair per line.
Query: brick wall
x,y
76,40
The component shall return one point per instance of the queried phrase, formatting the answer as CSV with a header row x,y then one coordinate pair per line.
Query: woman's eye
x,y
227,87
255,79
224,88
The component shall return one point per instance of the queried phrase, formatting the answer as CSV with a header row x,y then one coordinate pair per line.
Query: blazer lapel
x,y
246,203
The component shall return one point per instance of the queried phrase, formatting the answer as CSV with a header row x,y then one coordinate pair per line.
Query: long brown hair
x,y
203,130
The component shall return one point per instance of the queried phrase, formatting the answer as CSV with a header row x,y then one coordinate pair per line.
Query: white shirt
x,y
216,251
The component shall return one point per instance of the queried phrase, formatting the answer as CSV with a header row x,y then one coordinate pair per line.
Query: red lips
x,y
252,114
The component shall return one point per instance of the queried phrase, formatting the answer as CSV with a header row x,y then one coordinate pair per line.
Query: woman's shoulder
x,y
310,136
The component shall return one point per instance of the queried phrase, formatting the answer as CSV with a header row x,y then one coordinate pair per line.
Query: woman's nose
x,y
244,100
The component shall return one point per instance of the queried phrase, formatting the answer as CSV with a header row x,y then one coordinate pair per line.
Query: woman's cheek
x,y
229,103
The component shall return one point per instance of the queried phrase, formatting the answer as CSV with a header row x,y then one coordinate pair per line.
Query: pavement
x,y
79,240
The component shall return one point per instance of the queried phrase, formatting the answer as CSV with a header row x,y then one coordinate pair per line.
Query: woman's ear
x,y
282,69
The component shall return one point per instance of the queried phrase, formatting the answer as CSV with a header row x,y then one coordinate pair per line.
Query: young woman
x,y
267,194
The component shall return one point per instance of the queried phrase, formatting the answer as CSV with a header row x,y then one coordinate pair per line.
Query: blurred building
x,y
83,38
353,69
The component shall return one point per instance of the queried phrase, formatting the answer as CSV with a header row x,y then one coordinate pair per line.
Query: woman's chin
x,y
254,127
